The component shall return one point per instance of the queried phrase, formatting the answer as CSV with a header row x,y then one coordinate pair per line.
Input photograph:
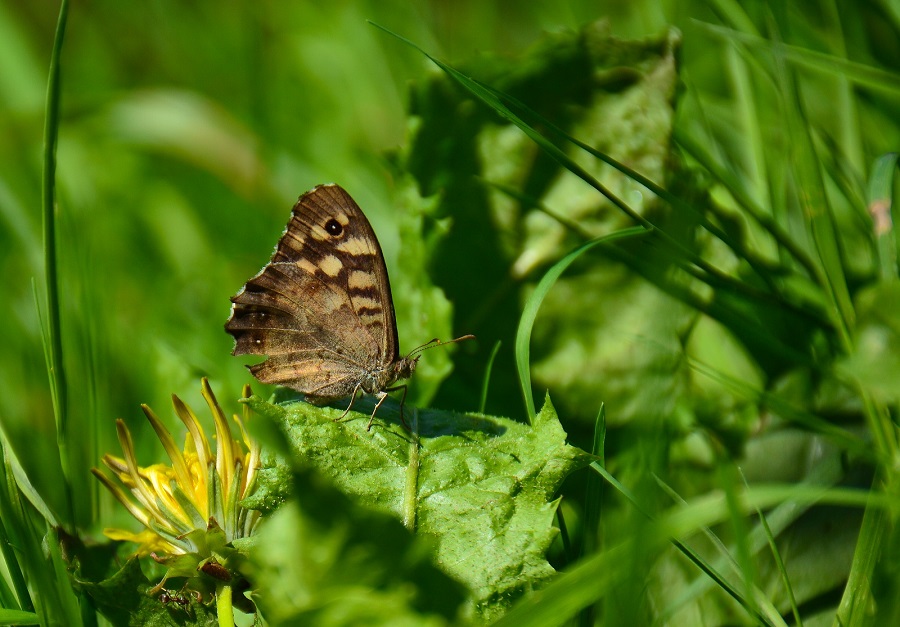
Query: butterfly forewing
x,y
321,309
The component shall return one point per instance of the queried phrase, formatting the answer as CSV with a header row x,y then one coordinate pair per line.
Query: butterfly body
x,y
321,309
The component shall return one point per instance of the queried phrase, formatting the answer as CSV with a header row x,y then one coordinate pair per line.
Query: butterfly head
x,y
405,366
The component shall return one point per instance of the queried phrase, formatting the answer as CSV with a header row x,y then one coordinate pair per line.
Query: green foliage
x,y
127,598
481,487
743,349
324,560
423,311
803,294
38,581
875,362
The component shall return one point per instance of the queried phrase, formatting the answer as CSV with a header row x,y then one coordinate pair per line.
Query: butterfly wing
x,y
321,309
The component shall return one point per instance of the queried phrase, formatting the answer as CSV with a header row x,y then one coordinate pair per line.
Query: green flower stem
x,y
224,608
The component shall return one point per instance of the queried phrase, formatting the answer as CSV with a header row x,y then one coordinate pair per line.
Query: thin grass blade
x,y
533,304
487,377
56,365
880,200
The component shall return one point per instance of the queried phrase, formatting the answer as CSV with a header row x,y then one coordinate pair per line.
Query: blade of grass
x,y
880,200
843,438
533,304
593,502
495,100
487,377
58,385
588,581
718,171
7,596
842,92
683,255
857,73
17,617
785,498
564,536
66,604
25,487
731,590
805,169
593,506
592,578
725,474
720,309
40,586
731,314
711,572
779,562
710,274
825,474
10,534
751,130
714,540
731,12
857,600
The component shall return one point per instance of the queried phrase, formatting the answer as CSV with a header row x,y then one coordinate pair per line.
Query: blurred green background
x,y
189,130
186,134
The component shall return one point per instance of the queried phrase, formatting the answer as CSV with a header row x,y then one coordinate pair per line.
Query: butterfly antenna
x,y
436,342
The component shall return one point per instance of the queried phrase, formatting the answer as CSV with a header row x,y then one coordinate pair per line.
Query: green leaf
x,y
123,599
423,311
481,486
324,560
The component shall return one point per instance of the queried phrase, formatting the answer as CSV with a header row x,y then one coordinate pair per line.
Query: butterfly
x,y
321,309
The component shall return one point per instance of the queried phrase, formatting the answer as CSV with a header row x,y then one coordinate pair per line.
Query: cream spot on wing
x,y
319,233
307,266
360,280
361,302
331,265
331,302
355,246
295,235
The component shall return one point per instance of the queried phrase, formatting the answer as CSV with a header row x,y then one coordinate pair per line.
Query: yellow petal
x,y
224,443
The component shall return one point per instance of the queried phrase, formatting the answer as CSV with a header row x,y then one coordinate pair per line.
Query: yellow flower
x,y
190,510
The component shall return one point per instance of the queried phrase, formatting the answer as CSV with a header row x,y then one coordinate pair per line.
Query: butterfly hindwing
x,y
321,309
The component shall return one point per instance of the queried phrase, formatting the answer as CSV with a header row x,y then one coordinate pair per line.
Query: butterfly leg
x,y
402,401
380,396
352,400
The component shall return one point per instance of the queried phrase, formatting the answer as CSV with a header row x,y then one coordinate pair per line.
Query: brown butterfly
x,y
321,309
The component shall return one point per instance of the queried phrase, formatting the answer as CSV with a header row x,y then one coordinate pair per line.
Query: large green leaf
x,y
482,487
324,560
